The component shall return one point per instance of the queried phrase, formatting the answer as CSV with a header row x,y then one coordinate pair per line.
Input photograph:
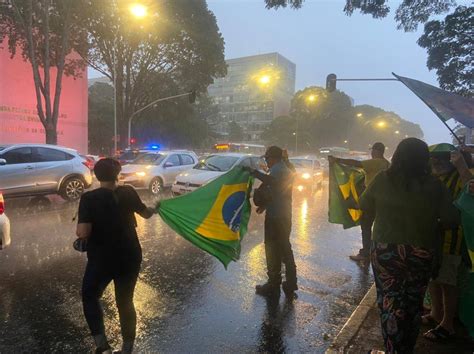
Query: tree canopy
x,y
450,48
177,48
47,33
320,119
409,14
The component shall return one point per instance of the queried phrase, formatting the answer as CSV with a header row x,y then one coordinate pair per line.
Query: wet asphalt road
x,y
186,301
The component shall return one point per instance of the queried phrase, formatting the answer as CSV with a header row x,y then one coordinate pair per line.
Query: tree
x,y
47,33
450,50
178,47
101,113
280,132
320,119
236,133
408,15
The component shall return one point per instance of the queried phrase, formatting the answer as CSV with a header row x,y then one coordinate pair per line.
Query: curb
x,y
353,324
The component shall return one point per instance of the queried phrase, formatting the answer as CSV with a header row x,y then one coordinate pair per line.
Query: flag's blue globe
x,y
232,210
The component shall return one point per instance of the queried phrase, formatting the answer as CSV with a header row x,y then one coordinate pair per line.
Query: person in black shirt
x,y
106,219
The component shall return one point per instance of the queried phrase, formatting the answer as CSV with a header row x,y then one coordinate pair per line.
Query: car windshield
x,y
302,163
149,159
128,155
217,163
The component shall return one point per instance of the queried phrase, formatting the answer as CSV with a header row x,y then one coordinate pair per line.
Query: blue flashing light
x,y
155,147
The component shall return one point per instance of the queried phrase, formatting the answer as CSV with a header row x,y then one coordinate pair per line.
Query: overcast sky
x,y
320,39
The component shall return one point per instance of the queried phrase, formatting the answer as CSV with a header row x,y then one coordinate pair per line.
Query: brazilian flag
x,y
346,184
215,216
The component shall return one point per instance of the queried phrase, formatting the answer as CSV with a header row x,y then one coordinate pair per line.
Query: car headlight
x,y
141,174
306,176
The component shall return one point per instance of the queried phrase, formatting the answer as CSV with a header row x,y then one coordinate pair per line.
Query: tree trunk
x,y
51,135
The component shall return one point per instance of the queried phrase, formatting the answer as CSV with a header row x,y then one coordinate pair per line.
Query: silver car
x,y
41,169
155,170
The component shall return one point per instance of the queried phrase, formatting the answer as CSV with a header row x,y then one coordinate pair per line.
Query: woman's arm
x,y
83,230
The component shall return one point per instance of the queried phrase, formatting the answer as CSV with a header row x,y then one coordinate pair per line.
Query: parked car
x,y
211,167
158,169
42,169
4,226
309,173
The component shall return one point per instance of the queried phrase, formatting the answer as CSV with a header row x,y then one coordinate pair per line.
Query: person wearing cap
x,y
106,219
452,167
371,168
279,183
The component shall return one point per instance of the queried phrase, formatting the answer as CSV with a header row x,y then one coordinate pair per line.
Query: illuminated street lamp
x,y
397,132
312,98
345,141
382,124
264,79
359,115
138,10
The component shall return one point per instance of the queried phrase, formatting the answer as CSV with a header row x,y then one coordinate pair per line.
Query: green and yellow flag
x,y
215,216
345,187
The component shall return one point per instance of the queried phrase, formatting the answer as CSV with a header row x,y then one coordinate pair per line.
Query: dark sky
x,y
320,39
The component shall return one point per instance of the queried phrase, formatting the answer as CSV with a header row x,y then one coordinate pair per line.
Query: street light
x,y
312,98
397,132
138,10
264,79
359,115
382,124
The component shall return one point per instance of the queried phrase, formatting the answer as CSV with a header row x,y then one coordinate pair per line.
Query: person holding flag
x,y
371,168
407,201
278,185
452,168
106,224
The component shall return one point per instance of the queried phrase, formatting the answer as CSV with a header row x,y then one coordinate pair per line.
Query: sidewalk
x,y
362,332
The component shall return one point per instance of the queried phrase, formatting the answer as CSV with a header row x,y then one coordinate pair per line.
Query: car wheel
x,y
72,189
156,186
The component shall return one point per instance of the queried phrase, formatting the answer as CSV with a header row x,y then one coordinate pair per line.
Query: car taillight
x,y
88,164
2,204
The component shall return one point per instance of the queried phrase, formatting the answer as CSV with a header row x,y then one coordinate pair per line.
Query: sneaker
x,y
289,290
359,257
267,289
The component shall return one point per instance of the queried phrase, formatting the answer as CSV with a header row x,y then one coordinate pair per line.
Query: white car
x,y
155,170
4,226
211,167
309,173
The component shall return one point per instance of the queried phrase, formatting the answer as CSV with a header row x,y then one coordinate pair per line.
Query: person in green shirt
x,y
408,203
371,168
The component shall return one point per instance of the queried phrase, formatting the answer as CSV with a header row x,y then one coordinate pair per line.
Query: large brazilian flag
x,y
215,216
346,184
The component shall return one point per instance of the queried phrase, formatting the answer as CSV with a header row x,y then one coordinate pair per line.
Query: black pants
x,y
96,279
366,222
278,250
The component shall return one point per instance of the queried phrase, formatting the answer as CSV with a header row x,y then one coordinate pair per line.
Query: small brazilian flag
x,y
346,184
215,216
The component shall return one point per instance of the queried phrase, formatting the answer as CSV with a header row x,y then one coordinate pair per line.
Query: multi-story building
x,y
255,90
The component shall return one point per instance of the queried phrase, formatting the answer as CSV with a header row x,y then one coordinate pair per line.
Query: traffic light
x,y
331,82
192,97
133,141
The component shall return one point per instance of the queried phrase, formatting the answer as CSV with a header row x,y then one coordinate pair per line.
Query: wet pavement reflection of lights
x,y
186,301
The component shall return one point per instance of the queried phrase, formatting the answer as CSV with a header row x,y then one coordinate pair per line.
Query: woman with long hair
x,y
408,203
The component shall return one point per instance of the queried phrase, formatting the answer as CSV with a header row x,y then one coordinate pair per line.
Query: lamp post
x,y
138,11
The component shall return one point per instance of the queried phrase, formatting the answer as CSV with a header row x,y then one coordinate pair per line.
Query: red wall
x,y
19,122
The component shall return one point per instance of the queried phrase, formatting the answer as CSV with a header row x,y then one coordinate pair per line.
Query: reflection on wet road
x,y
186,301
